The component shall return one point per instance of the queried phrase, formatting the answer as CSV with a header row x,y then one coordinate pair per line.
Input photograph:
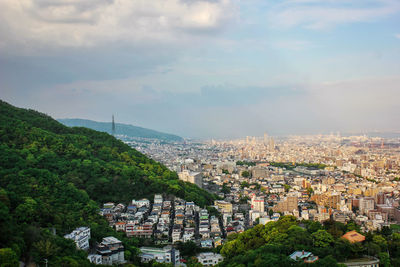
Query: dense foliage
x,y
245,163
53,178
270,244
291,166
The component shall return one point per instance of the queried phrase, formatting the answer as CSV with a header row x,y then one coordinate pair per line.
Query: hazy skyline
x,y
211,68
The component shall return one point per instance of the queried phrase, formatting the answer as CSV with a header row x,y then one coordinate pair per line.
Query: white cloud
x,y
78,23
319,14
397,36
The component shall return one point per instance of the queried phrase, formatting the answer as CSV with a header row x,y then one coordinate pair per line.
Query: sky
x,y
207,68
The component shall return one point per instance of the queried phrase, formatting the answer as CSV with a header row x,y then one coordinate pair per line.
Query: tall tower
x,y
113,126
271,144
265,138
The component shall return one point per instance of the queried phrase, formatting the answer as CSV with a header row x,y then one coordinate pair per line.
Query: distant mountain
x,y
121,129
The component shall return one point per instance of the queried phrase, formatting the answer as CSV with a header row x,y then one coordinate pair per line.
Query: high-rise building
x,y
381,198
257,203
290,204
367,204
265,139
271,143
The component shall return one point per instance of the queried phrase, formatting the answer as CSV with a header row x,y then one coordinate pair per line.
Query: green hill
x,y
270,244
53,177
122,129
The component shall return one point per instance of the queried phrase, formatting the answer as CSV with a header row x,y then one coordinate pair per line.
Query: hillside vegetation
x,y
53,178
270,244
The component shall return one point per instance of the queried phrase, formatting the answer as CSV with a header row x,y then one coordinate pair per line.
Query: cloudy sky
x,y
206,68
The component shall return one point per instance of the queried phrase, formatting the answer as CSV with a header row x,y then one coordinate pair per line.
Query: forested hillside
x,y
53,177
270,244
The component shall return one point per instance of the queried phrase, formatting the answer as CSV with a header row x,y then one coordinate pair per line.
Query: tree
x,y
328,261
243,199
310,191
384,259
45,248
270,212
256,185
380,241
322,238
225,171
225,189
8,258
245,174
187,249
313,226
244,184
287,187
342,249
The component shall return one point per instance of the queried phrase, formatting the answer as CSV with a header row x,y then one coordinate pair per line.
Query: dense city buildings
x,y
258,180
321,177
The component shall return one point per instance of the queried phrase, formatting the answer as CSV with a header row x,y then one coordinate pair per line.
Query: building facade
x,y
167,254
81,237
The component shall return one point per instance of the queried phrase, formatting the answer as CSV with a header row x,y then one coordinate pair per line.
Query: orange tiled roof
x,y
354,237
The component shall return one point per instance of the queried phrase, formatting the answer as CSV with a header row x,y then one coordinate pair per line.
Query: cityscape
x,y
192,133
352,179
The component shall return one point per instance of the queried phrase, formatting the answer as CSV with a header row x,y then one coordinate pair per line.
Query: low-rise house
x,y
158,199
120,226
111,251
206,243
305,256
141,203
166,254
209,258
176,233
131,209
188,234
108,205
144,230
81,237
95,258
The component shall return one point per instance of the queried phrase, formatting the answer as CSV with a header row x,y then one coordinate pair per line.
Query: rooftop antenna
x,y
113,126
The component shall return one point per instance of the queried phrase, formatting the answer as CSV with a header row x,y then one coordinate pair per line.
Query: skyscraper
x,y
265,139
271,144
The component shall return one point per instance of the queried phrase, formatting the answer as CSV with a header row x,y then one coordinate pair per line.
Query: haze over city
x,y
207,68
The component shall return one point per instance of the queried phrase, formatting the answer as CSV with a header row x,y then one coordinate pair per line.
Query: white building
x,y
81,237
95,258
167,254
209,258
158,199
141,203
191,177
